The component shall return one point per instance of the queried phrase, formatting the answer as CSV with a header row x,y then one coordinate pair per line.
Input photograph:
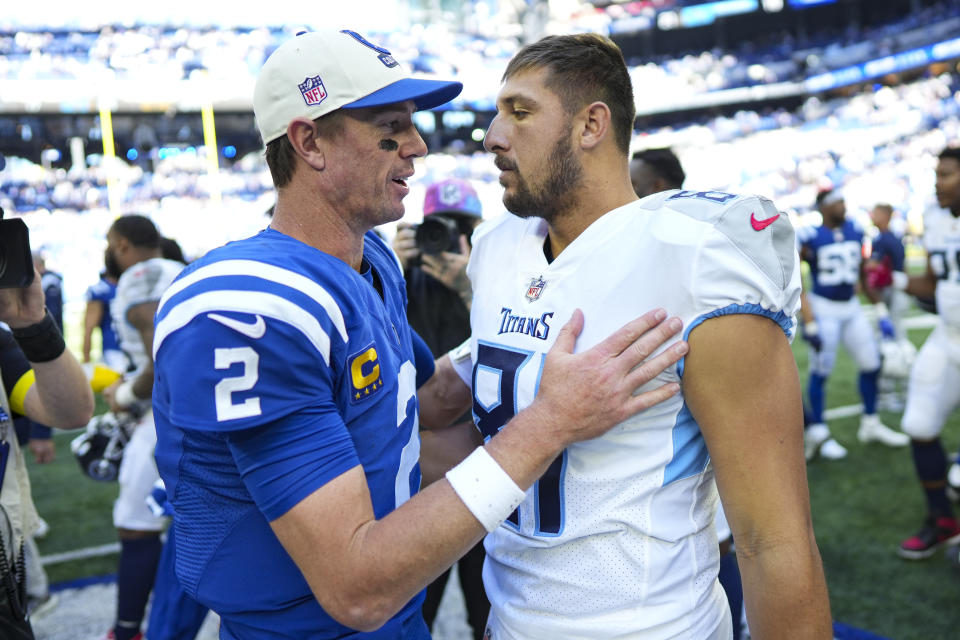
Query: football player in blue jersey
x,y
285,403
832,316
887,256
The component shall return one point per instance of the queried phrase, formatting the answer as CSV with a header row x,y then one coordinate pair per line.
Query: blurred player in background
x,y
934,389
832,316
134,251
97,316
887,256
655,170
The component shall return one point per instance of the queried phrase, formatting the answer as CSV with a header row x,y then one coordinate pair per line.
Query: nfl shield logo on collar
x,y
313,91
535,288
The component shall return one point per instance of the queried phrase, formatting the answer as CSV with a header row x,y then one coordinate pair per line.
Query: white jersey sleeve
x,y
143,282
746,261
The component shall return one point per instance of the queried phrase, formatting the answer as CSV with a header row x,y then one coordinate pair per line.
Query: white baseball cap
x,y
321,71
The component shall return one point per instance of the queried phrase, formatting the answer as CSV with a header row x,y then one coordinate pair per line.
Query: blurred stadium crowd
x,y
876,138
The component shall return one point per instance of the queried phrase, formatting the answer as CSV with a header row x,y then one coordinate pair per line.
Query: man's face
x,y
532,139
111,261
834,213
370,158
880,217
948,183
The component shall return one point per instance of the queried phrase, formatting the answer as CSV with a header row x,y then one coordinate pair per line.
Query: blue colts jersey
x,y
278,368
888,249
834,257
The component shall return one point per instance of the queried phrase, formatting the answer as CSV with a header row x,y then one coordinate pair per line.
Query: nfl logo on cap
x,y
313,91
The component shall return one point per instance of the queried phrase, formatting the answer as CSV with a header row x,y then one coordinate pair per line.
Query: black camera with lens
x,y
439,233
16,262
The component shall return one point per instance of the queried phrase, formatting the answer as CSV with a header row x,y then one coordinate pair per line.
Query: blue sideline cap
x,y
321,71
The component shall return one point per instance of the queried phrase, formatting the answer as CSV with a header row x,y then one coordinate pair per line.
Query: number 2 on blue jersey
x,y
506,364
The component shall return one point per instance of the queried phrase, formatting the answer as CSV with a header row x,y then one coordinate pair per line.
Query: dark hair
x,y
821,196
139,230
952,153
170,249
281,156
664,164
584,68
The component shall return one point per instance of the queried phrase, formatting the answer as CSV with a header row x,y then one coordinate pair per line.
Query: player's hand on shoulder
x,y
588,393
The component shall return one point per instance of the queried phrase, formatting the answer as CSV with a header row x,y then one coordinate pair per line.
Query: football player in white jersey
x,y
652,171
617,540
133,250
934,388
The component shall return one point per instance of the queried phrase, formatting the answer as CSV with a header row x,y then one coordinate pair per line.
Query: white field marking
x,y
89,552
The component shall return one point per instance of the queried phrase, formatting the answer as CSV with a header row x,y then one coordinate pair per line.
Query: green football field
x,y
862,507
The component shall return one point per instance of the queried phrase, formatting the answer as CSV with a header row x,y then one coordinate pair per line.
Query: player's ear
x,y
596,124
302,133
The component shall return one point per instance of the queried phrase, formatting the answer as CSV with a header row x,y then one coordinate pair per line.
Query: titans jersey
x,y
278,368
143,282
941,239
834,258
617,540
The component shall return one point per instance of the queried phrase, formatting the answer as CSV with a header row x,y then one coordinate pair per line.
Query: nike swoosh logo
x,y
253,330
760,225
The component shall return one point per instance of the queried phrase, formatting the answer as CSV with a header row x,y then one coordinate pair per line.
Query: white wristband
x,y
811,328
881,309
900,280
485,488
124,396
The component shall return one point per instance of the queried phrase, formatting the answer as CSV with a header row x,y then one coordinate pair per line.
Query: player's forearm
x,y
785,592
390,560
143,383
61,395
920,286
442,449
443,398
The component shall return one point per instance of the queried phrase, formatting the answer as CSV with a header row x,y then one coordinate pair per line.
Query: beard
x,y
111,265
557,193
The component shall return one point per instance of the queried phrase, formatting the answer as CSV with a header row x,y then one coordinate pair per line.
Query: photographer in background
x,y
41,380
434,256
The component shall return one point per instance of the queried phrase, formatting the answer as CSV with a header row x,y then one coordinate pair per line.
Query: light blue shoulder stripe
x,y
264,271
690,455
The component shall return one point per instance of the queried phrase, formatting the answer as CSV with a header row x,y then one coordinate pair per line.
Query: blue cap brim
x,y
427,94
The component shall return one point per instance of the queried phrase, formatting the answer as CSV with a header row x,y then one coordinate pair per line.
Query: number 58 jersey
x,y
616,540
